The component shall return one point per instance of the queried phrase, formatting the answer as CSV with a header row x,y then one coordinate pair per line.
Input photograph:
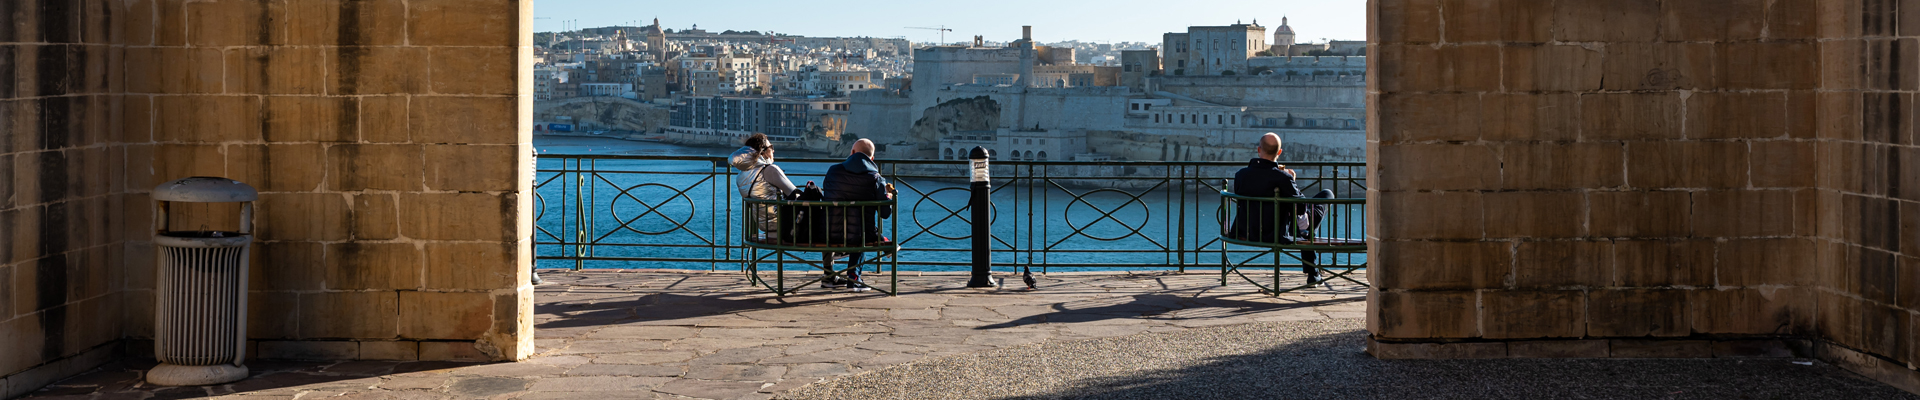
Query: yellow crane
x,y
943,31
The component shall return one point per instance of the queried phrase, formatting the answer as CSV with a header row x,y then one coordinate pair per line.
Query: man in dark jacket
x,y
857,179
1266,222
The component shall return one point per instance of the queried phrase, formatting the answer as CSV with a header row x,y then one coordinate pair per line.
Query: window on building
x,y
946,154
1136,106
1233,120
1043,156
1156,118
1183,118
1182,63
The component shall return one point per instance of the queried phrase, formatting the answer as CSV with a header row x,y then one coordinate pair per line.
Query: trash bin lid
x,y
205,189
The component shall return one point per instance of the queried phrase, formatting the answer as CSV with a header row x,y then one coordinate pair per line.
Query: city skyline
x,y
1115,21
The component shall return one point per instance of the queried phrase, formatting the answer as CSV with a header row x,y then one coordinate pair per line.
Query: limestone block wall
x,y
61,259
387,140
1595,178
1868,186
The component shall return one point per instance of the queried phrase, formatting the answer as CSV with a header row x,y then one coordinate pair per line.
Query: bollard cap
x,y
978,153
205,189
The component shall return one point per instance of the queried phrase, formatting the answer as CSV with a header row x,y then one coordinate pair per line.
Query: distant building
x,y
1213,50
1284,45
1136,66
605,89
781,119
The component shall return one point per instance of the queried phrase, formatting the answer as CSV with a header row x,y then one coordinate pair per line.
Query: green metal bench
x,y
779,250
1337,239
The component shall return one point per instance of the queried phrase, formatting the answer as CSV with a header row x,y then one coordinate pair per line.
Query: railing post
x,y
982,204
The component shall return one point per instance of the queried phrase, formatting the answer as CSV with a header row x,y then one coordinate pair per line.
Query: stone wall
x,y
62,264
388,138
1623,178
885,116
1868,187
603,113
1322,91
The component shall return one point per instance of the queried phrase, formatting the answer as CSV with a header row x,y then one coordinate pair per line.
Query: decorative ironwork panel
x,y
638,211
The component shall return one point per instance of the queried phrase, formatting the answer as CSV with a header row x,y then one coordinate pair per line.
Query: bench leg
x,y
1224,263
1276,272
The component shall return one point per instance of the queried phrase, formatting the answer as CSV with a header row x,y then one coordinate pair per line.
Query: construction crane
x,y
943,31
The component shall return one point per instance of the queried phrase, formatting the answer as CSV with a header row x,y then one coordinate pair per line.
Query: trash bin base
x,y
195,375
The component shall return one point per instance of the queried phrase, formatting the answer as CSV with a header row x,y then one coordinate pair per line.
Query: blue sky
x,y
998,20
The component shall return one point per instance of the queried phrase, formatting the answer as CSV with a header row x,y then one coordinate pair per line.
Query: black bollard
x,y
982,206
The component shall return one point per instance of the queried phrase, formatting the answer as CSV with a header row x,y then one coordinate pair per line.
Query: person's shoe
x,y
537,280
1313,275
857,284
835,282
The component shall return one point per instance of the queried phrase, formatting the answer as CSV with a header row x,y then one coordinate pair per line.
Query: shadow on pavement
x,y
662,307
1147,305
1332,366
126,379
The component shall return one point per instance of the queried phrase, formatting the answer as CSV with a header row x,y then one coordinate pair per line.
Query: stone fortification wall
x,y
885,116
938,66
1307,62
64,263
387,140
1244,90
603,113
1094,108
1306,65
1224,144
975,114
1642,178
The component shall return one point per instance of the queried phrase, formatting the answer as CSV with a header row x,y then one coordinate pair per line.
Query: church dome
x,y
652,29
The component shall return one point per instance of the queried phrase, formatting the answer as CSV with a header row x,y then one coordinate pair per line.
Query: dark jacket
x,y
857,179
1255,221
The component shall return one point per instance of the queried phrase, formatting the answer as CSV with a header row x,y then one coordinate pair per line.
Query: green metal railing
x,y
626,211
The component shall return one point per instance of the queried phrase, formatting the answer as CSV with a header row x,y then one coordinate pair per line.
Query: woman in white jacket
x,y
760,179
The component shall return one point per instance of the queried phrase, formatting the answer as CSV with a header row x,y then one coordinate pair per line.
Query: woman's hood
x,y
745,159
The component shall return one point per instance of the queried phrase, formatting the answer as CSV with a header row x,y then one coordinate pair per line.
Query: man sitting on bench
x,y
1265,177
857,179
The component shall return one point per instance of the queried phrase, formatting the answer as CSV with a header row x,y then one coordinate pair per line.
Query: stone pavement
x,y
679,334
1323,359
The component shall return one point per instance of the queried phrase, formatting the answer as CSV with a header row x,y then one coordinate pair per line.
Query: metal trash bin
x,y
201,308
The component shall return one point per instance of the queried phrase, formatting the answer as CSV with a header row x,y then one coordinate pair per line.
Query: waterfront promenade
x,y
607,334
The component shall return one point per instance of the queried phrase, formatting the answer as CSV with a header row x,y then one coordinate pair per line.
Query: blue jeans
x,y
853,260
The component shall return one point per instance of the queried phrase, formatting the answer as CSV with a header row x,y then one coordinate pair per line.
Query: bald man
x,y
857,179
1265,221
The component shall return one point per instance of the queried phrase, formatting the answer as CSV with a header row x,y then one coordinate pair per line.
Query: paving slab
x,y
604,334
1322,359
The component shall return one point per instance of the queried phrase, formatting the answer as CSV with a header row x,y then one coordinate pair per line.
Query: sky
x,y
997,20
